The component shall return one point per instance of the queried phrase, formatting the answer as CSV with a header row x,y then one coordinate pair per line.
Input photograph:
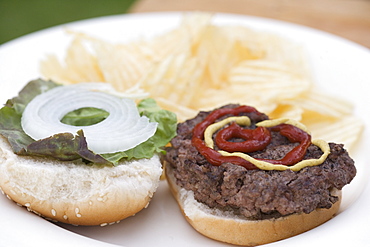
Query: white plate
x,y
339,66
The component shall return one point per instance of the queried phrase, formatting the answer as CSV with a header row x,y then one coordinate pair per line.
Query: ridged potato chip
x,y
79,65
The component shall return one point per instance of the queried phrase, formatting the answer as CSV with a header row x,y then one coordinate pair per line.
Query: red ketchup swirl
x,y
254,140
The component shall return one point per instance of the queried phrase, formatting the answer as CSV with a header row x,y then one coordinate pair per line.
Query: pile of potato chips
x,y
201,66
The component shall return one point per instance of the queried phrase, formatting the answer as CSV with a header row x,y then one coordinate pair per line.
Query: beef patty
x,y
259,194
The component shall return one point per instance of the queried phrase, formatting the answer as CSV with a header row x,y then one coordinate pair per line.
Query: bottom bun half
x,y
230,228
76,193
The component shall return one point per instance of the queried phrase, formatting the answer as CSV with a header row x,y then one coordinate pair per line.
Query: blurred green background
x,y
20,17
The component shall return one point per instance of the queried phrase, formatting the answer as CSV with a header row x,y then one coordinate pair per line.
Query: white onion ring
x,y
123,129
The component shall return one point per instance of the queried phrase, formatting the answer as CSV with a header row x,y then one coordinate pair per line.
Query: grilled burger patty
x,y
259,194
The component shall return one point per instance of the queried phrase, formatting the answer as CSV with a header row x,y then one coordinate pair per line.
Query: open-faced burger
x,y
81,154
244,179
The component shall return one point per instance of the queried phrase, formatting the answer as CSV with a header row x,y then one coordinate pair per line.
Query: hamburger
x,y
81,154
256,181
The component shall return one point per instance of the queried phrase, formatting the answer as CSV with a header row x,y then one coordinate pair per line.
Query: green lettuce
x,y
85,116
66,146
30,91
11,114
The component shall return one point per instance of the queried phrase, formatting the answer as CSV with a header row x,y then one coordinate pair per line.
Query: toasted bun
x,y
227,227
75,193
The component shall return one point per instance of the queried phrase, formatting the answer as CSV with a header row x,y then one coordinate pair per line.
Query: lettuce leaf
x,y
30,91
85,116
11,114
66,146
10,128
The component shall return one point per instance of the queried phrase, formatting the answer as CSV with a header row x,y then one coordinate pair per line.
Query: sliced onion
x,y
123,129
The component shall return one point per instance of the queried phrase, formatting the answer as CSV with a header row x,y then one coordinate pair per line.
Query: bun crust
x,y
75,193
227,227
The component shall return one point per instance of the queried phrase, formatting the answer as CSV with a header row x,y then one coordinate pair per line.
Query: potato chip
x,y
218,54
179,40
80,65
345,130
287,111
134,63
213,98
183,112
275,79
172,75
323,103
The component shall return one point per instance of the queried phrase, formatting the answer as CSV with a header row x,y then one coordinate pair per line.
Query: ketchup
x,y
294,134
254,139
